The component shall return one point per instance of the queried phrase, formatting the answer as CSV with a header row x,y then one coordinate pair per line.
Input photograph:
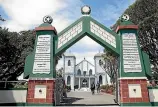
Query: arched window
x,y
69,63
100,62
100,79
90,72
78,72
84,73
68,80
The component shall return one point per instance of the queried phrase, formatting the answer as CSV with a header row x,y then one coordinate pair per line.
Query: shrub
x,y
107,87
21,85
68,87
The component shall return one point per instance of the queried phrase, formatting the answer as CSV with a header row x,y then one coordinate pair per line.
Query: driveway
x,y
86,98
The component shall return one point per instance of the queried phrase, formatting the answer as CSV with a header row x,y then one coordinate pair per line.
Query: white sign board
x,y
131,57
43,44
42,55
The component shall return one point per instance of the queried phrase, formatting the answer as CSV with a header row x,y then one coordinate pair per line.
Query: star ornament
x,y
125,17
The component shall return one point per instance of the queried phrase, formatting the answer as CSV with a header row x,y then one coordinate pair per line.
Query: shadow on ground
x,y
70,100
89,105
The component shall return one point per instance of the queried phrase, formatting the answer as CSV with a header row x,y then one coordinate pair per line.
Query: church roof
x,y
83,61
98,54
69,55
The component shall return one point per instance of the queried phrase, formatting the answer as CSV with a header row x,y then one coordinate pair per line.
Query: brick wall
x,y
124,91
49,91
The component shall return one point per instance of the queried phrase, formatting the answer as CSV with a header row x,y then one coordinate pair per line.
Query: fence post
x,y
5,85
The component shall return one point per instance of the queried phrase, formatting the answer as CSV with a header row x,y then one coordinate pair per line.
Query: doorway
x,y
85,83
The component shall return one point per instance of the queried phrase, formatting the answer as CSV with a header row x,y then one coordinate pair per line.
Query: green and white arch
x,y
87,26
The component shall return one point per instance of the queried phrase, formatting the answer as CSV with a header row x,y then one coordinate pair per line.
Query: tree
x,y
110,65
144,13
14,47
2,19
139,10
59,72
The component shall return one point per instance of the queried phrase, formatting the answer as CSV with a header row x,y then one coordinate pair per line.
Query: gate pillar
x,y
132,79
41,78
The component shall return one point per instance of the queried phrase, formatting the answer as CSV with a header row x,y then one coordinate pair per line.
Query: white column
x,y
72,83
66,79
96,79
106,78
89,82
79,83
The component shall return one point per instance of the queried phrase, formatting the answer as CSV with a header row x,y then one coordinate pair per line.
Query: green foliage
x,y
140,10
16,84
21,85
14,47
105,87
59,72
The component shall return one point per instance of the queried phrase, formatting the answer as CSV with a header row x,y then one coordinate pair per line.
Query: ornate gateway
x,y
43,86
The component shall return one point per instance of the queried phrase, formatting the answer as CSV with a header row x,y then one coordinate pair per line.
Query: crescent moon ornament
x,y
47,19
125,17
85,10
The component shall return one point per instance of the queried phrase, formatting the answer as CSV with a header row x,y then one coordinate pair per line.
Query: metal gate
x,y
117,89
58,92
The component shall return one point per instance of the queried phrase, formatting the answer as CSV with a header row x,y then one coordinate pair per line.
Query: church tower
x,y
69,68
101,76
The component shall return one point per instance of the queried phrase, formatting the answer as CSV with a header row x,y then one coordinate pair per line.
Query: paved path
x,y
86,98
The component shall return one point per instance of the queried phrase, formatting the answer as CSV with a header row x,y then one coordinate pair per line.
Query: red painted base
x,y
49,91
124,91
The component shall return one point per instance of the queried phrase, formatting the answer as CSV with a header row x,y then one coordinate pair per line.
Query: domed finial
x,y
85,10
125,17
47,19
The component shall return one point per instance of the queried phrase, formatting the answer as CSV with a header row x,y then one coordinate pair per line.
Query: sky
x,y
28,14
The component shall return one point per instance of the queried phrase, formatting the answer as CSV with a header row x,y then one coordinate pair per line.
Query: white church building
x,y
83,74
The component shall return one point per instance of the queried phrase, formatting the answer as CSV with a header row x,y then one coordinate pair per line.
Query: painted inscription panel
x,y
42,55
131,58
